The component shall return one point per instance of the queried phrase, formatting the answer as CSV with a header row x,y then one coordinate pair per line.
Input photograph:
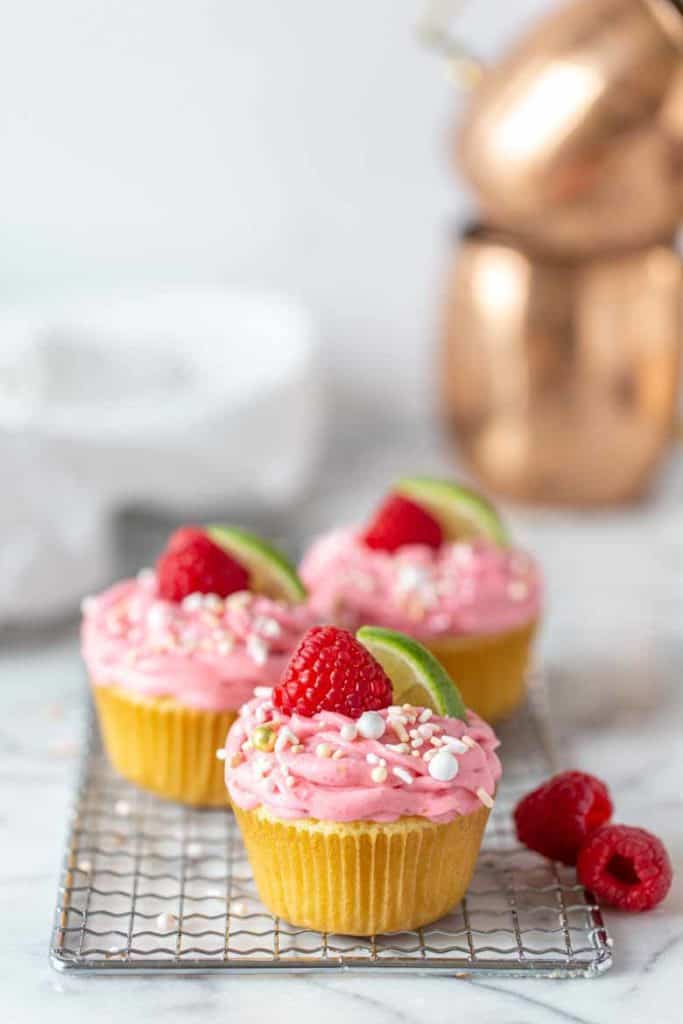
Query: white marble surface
x,y
614,649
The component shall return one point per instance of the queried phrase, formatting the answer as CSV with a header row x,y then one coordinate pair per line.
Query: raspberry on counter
x,y
626,867
556,818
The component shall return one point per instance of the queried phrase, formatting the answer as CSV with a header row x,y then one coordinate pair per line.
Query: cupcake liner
x,y
488,670
362,877
163,746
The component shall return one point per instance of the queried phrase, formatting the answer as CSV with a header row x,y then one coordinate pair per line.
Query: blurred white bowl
x,y
181,400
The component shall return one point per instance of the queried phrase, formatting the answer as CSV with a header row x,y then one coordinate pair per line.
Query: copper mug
x,y
560,378
569,141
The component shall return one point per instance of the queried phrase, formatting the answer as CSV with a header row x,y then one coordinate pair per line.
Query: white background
x,y
300,145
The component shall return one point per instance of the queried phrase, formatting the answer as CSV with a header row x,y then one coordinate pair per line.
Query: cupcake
x,y
173,654
361,813
437,563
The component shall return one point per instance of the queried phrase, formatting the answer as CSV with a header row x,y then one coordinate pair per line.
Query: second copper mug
x,y
559,379
572,140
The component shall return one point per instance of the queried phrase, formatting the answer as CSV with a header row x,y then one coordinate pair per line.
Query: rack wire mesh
x,y
150,886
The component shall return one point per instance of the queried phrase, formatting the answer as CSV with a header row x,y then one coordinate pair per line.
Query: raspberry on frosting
x,y
331,671
400,521
193,564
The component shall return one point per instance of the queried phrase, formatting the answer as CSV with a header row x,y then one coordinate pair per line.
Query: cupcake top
x,y
167,633
330,744
460,588
434,561
395,762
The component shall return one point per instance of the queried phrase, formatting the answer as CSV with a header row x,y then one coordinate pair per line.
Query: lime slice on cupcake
x,y
416,675
270,573
461,512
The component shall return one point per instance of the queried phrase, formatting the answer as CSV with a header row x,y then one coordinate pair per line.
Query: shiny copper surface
x,y
573,140
559,378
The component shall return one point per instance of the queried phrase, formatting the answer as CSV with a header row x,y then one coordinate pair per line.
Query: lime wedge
x,y
269,571
417,677
461,512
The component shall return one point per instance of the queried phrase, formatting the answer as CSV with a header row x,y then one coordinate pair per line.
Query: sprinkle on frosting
x,y
371,725
313,771
458,589
485,797
204,652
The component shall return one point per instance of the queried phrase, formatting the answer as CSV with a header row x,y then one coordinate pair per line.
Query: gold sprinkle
x,y
263,738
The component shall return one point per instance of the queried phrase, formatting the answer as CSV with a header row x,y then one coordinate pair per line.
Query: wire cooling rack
x,y
150,886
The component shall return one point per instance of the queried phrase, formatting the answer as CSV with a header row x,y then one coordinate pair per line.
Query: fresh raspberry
x,y
626,867
556,818
331,671
399,521
192,563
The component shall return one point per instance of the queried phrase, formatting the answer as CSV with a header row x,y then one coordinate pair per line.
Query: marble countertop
x,y
613,648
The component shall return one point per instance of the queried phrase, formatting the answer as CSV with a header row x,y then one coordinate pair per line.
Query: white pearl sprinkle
x,y
348,731
443,767
240,599
220,754
193,602
371,725
166,922
122,808
379,774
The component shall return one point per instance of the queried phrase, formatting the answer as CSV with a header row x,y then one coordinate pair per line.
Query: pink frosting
x,y
459,589
305,777
205,652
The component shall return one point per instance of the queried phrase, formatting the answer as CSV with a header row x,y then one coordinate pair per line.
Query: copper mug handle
x,y
433,29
